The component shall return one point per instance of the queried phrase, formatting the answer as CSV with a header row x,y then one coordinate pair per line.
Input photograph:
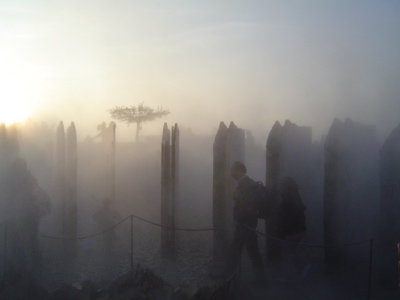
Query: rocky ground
x,y
153,276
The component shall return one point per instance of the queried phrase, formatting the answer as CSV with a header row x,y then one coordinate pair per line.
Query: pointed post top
x,y
165,134
232,125
71,129
222,126
60,126
277,124
175,128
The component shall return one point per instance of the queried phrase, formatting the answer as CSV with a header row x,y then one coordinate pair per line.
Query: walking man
x,y
245,217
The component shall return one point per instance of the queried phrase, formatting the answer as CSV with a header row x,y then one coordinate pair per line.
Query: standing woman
x,y
291,228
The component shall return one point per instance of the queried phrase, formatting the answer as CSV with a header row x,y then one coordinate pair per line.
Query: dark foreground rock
x,y
140,283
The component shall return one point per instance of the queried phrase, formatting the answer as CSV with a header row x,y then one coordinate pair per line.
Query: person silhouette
x,y
291,227
106,217
246,219
27,204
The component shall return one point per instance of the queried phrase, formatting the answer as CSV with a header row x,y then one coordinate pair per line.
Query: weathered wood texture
x,y
291,152
169,187
71,206
229,146
389,215
351,190
219,193
60,182
235,151
111,163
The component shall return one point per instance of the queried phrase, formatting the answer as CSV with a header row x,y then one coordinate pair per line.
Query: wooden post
x,y
220,237
166,233
70,206
389,206
351,182
3,166
174,175
131,218
169,190
229,145
330,190
398,263
273,157
60,182
112,128
235,151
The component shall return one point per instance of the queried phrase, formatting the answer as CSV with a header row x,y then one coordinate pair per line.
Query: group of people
x,y
30,203
26,202
290,225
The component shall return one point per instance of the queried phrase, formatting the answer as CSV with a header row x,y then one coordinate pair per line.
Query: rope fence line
x,y
370,241
307,245
117,224
195,230
173,228
86,236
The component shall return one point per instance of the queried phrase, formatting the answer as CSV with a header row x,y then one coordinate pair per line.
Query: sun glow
x,y
14,102
20,86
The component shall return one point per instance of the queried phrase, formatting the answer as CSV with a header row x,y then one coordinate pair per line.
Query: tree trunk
x,y
137,131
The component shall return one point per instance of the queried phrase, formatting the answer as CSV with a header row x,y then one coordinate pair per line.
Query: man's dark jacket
x,y
244,197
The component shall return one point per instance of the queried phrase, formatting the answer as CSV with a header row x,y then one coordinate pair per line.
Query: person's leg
x,y
290,261
235,250
255,255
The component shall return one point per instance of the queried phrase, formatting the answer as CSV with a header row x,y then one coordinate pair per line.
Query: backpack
x,y
263,200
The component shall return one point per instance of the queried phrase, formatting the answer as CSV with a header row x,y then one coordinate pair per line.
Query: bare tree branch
x,y
136,114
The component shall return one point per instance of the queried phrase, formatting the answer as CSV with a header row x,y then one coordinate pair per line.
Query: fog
x,y
253,63
138,192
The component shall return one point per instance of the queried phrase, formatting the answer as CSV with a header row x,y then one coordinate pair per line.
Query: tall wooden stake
x,y
273,158
60,178
71,191
112,128
167,235
169,191
220,237
228,146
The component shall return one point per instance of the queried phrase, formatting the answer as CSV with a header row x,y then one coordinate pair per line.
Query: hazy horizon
x,y
253,63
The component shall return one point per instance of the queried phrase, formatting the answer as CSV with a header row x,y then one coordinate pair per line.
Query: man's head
x,y
238,170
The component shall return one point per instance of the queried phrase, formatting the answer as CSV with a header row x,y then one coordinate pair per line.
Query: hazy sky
x,y
253,62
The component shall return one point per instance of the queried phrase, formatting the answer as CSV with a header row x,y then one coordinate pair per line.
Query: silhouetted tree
x,y
136,114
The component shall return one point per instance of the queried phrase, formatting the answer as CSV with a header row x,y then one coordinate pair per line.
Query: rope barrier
x,y
304,244
112,227
201,229
174,228
84,237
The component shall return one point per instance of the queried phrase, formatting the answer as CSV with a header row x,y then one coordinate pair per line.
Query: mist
x,y
251,63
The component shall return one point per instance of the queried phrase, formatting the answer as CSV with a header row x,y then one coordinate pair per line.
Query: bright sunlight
x,y
19,90
14,102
